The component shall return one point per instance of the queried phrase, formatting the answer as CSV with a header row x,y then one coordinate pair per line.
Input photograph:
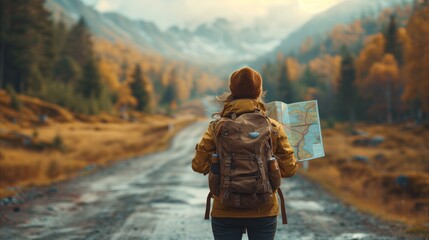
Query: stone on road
x,y
159,197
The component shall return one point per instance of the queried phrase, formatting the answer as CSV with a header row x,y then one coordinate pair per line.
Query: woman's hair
x,y
227,97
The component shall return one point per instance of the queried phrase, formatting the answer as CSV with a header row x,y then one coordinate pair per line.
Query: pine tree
x,y
66,70
346,99
267,83
139,89
79,44
90,84
170,94
285,88
392,44
25,42
309,79
59,39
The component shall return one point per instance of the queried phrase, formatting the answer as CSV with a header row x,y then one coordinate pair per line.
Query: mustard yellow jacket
x,y
281,148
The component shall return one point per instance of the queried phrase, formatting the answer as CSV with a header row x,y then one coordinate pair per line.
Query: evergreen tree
x,y
66,70
25,43
170,93
347,92
392,44
90,84
268,84
79,44
309,79
285,88
139,89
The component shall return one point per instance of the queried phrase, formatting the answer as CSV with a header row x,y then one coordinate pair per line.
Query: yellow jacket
x,y
281,148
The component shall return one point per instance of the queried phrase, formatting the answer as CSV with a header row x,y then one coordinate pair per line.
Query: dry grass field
x,y
389,179
33,154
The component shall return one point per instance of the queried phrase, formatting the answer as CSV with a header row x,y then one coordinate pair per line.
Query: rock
x,y
361,159
358,132
376,140
52,190
380,157
367,141
51,209
363,141
90,167
402,181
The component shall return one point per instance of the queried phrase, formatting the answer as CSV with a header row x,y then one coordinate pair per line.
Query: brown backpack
x,y
240,176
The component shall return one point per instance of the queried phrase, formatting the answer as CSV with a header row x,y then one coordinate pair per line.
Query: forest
x,y
375,69
65,64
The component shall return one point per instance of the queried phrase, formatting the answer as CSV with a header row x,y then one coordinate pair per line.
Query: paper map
x,y
301,123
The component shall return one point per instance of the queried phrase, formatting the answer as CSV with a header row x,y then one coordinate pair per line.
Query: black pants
x,y
232,228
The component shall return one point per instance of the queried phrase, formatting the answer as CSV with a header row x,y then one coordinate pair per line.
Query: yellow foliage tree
x,y
416,70
327,68
294,68
372,52
381,85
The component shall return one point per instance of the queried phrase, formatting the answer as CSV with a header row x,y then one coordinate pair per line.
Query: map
x,y
301,123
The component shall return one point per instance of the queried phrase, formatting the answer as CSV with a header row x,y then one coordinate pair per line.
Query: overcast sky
x,y
189,13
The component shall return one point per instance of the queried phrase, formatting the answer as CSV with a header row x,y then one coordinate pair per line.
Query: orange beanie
x,y
245,83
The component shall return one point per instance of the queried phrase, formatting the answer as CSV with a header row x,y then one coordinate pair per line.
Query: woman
x,y
228,222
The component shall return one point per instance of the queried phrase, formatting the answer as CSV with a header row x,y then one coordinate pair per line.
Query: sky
x,y
273,14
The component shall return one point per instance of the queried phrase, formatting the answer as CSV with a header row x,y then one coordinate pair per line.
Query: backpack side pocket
x,y
274,174
214,183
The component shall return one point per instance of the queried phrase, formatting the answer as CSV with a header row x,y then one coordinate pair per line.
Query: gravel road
x,y
159,197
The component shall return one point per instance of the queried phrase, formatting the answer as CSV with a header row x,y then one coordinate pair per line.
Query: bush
x,y
15,101
58,142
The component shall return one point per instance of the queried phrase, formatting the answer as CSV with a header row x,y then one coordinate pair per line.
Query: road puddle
x,y
305,205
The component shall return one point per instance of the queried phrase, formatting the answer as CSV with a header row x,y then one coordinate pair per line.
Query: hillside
x,y
317,28
215,43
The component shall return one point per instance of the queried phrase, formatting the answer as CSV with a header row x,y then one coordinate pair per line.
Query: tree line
x,y
358,73
63,63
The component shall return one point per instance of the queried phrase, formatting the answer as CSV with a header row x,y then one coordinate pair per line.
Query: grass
x,y
84,144
34,153
393,184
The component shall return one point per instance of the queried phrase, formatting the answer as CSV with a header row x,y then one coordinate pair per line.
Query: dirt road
x,y
159,197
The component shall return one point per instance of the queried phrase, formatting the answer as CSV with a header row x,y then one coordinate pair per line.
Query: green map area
x,y
301,123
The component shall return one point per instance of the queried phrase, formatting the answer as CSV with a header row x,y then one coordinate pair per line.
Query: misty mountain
x,y
216,43
343,13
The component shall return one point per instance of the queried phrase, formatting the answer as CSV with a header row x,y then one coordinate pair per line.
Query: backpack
x,y
240,175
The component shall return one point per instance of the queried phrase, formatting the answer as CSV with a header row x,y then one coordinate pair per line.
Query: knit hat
x,y
245,83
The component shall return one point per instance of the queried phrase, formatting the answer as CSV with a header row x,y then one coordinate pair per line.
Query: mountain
x,y
343,13
216,43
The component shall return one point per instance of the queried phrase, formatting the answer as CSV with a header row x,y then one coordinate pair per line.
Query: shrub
x,y
58,142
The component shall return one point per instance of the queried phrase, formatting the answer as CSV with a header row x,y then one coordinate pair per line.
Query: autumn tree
x,y
381,85
125,99
417,60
